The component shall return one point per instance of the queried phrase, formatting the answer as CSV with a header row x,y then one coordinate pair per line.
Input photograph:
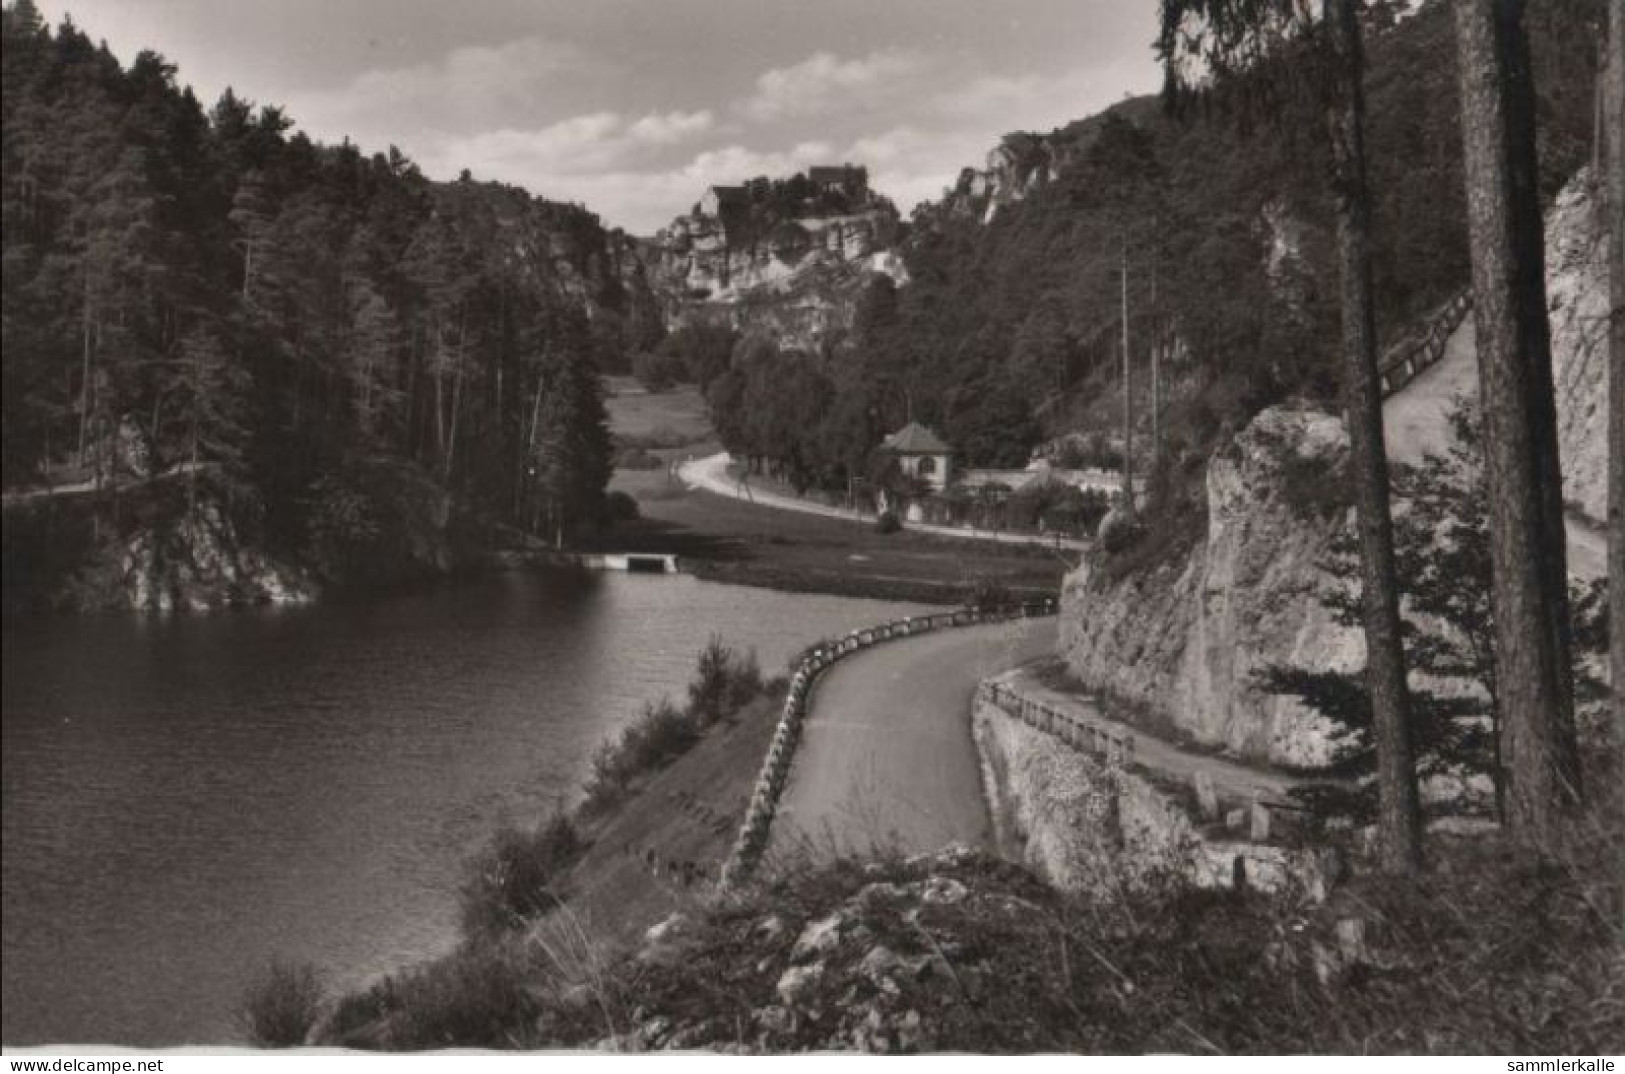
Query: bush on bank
x,y
280,1006
724,682
514,879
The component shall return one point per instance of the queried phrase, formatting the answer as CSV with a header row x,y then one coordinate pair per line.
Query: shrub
x,y
620,507
513,880
478,996
888,522
280,1006
1119,531
662,733
723,682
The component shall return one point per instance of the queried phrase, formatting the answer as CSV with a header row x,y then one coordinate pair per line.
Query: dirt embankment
x,y
664,848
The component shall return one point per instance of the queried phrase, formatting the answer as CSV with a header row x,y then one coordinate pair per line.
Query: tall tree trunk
x,y
1613,111
1524,476
1128,397
84,372
439,393
1399,817
528,457
1156,375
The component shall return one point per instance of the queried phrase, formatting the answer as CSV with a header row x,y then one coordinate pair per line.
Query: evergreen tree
x,y
1528,541
1280,38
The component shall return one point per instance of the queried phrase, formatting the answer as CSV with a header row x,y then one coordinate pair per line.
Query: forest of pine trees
x,y
290,317
1009,331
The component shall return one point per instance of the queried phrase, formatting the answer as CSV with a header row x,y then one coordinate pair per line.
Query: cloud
x,y
671,127
825,84
640,196
579,146
462,90
914,118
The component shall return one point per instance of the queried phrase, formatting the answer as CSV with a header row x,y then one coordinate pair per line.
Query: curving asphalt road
x,y
711,474
1414,425
886,759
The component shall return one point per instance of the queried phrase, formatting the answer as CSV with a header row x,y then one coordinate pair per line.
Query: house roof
x,y
916,439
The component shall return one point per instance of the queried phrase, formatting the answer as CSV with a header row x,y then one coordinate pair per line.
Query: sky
x,y
634,107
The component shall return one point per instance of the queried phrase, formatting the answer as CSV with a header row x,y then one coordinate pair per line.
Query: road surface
x,y
886,760
711,474
1232,780
1414,424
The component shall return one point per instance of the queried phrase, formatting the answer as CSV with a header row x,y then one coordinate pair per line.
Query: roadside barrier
x,y
1107,742
1414,357
754,832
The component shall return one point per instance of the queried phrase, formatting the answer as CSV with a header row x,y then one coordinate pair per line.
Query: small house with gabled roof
x,y
921,453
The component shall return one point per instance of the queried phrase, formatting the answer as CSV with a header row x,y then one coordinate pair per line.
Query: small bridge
x,y
635,562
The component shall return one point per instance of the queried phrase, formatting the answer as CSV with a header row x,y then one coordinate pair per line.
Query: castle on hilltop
x,y
847,183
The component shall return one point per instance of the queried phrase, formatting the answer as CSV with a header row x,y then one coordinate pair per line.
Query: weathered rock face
x,y
798,279
1020,164
180,555
1025,161
1078,823
198,563
1089,826
1186,639
1577,297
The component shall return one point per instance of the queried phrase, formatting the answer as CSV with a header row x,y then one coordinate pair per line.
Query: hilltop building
x,y
849,179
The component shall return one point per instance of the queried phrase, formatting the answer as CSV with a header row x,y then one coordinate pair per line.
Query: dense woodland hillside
x,y
1009,329
318,328
328,334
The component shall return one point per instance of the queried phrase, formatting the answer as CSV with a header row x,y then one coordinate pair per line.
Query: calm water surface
x,y
185,798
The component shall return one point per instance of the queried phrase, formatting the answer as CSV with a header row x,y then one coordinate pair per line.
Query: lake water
x,y
187,797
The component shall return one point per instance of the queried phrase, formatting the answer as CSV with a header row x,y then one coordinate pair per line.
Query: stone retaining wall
x,y
1088,819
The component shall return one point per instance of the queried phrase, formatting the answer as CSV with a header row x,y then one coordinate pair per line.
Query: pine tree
x,y
212,392
1274,48
1528,541
1612,110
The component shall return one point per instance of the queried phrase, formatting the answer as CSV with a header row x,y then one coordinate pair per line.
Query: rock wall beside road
x,y
1097,823
1577,297
1184,639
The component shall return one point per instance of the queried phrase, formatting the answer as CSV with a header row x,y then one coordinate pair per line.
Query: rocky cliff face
x,y
1020,164
1025,161
1577,293
1185,639
168,546
796,277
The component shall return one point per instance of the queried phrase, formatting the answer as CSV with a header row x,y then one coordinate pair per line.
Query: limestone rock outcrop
x,y
758,259
1185,639
1577,298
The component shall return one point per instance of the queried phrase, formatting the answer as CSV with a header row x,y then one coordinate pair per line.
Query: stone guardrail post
x,y
751,842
